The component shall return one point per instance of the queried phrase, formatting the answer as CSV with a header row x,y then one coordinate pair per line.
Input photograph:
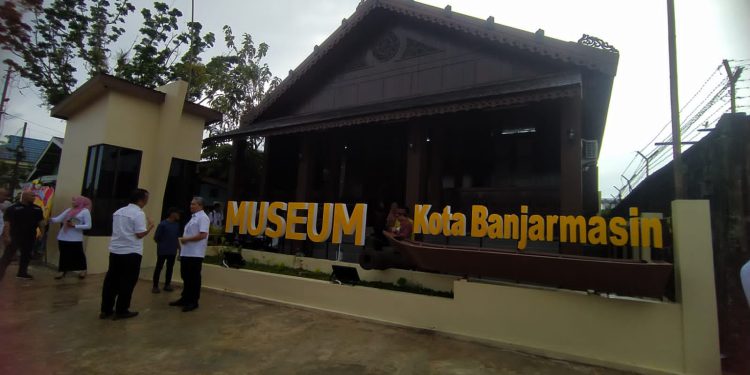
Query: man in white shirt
x,y
129,226
194,241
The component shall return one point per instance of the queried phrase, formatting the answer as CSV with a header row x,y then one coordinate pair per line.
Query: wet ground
x,y
49,326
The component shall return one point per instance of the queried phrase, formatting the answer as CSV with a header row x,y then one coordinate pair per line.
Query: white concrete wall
x,y
629,334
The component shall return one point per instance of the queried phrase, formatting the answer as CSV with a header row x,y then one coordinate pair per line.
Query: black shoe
x,y
25,277
167,288
179,302
190,307
125,315
105,315
155,289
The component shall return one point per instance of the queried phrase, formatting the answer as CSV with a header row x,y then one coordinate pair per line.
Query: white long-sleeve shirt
x,y
75,234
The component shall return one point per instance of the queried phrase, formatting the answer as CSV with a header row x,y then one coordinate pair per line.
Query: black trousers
x,y
120,281
190,270
72,257
159,264
25,248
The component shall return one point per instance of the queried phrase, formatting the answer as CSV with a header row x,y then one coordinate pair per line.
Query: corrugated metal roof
x,y
33,149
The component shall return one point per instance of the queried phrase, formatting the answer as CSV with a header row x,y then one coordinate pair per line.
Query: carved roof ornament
x,y
592,41
386,47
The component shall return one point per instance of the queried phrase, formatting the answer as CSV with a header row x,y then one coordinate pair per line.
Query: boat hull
x,y
622,277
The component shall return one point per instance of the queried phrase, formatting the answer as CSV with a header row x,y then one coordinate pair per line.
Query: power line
x,y
34,123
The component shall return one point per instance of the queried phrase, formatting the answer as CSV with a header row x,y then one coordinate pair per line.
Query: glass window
x,y
182,185
111,174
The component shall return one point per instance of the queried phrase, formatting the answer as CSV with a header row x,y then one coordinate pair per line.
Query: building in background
x,y
46,165
24,155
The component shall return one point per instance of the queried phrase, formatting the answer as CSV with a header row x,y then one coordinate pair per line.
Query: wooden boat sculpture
x,y
623,277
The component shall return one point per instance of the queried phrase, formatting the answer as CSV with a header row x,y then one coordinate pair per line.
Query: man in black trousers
x,y
129,226
194,241
20,225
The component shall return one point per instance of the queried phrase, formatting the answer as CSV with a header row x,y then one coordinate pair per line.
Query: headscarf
x,y
79,203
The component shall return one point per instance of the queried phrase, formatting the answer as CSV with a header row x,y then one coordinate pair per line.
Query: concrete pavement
x,y
50,326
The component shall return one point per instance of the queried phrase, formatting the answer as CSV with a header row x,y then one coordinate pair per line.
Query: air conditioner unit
x,y
589,149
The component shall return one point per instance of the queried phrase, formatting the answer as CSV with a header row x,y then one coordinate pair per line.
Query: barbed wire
x,y
667,138
716,71
705,112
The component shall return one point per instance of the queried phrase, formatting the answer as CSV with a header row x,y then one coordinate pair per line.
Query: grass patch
x,y
402,285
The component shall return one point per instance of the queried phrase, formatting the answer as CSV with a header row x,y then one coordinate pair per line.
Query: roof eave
x,y
98,86
211,116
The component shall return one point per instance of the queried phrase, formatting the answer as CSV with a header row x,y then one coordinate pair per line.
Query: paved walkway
x,y
49,326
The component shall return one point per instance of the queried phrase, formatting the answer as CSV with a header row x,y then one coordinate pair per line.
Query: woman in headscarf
x,y
74,221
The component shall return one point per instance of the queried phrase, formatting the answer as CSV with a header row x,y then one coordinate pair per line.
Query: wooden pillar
x,y
435,180
265,172
304,168
236,186
341,175
571,185
415,166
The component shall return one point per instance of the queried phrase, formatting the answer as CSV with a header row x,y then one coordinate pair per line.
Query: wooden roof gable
x,y
584,54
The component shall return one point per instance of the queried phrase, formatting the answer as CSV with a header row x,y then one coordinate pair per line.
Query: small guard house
x,y
410,103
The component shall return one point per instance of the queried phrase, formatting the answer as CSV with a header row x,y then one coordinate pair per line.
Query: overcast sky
x,y
707,32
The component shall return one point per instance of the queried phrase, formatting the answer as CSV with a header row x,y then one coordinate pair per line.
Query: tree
x,y
58,37
154,59
238,81
65,35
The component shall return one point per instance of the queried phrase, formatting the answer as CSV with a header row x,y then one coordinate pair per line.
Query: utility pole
x,y
676,138
733,77
5,97
19,156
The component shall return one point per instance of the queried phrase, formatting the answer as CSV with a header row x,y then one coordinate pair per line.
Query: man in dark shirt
x,y
167,243
20,233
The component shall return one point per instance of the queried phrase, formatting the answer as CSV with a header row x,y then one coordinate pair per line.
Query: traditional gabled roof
x,y
102,83
584,53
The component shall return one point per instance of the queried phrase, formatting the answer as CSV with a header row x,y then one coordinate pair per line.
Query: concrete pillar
x,y
695,286
155,165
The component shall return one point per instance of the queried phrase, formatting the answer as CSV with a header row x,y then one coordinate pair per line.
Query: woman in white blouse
x,y
74,221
